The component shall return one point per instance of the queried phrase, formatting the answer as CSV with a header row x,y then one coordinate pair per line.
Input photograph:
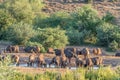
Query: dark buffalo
x,y
31,49
11,49
97,61
59,52
117,54
69,53
64,61
88,62
56,60
36,49
79,62
85,52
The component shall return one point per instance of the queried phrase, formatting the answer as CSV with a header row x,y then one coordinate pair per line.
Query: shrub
x,y
6,72
107,32
51,37
109,18
74,37
113,45
23,10
86,18
60,18
5,21
88,1
19,33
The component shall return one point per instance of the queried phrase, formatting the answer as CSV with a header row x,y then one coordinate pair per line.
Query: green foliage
x,y
36,5
20,10
51,37
19,33
86,20
75,37
113,45
79,74
102,74
109,18
23,10
60,18
107,32
40,20
6,72
88,1
5,21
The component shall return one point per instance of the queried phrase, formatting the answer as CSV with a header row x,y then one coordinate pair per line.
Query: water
x,y
95,67
51,66
73,68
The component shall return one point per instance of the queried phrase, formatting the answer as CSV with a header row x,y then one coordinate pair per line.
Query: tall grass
x,y
79,74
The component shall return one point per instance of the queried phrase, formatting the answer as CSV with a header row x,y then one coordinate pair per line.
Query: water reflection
x,y
51,66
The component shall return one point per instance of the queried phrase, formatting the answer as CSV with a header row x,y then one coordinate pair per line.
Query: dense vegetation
x,y
22,22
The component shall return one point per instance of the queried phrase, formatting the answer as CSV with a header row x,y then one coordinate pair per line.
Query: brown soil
x,y
101,7
39,70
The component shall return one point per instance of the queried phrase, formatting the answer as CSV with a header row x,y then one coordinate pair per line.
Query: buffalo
x,y
85,52
79,62
41,60
97,61
55,60
97,51
15,59
51,50
64,61
117,54
31,60
11,49
31,49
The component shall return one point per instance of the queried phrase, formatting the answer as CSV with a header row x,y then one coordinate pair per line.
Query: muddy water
x,y
51,66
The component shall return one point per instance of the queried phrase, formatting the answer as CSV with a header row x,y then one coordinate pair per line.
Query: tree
x,y
86,18
5,21
51,37
60,18
19,33
107,33
23,10
113,45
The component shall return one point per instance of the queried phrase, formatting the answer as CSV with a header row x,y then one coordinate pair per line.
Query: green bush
x,y
88,1
5,21
109,18
6,72
51,37
60,18
113,46
107,32
102,74
19,33
23,10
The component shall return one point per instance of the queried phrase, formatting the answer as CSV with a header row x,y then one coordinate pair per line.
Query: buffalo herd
x,y
84,57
